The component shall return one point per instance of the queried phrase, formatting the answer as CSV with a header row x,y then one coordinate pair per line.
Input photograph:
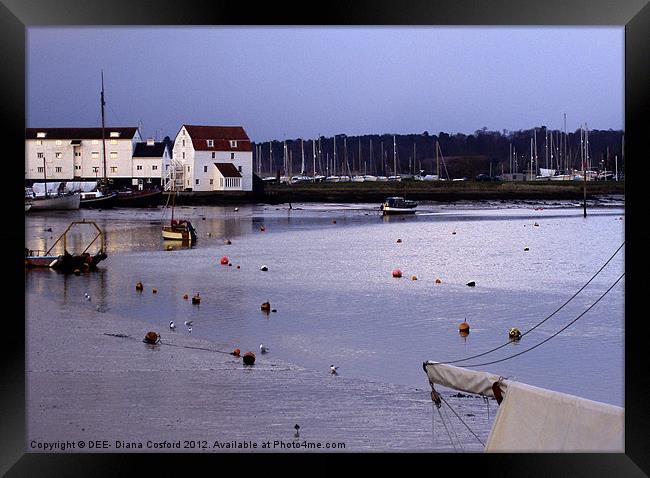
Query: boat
x,y
143,198
398,205
60,202
69,262
98,199
534,419
178,230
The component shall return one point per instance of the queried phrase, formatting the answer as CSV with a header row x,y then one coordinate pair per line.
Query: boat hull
x,y
102,202
138,199
179,233
398,210
68,202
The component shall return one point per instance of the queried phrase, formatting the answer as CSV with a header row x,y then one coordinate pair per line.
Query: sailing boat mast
x,y
105,182
394,157
302,164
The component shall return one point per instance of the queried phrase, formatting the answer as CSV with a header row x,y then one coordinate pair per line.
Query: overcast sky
x,y
291,82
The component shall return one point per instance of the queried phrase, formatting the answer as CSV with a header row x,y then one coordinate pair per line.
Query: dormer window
x,y
210,143
233,143
115,134
41,134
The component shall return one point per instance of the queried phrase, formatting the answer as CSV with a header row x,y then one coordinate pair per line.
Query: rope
x,y
451,425
463,422
123,336
547,318
451,440
555,334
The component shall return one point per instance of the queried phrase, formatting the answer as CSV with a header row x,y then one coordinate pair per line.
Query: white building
x,y
210,158
76,154
149,159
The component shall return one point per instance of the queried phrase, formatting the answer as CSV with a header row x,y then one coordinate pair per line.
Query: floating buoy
x,y
266,306
514,333
249,358
238,267
235,352
185,296
414,278
139,286
155,291
526,249
471,283
151,338
230,264
438,281
397,273
196,299
264,268
224,261
463,327
463,333
228,242
399,240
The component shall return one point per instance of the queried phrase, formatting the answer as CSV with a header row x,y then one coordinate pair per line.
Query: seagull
x,y
297,434
333,369
87,296
189,330
188,323
172,326
263,349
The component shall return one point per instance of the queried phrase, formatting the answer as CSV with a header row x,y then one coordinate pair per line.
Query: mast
x,y
45,175
302,164
105,182
313,154
360,155
334,158
371,160
394,157
270,158
438,160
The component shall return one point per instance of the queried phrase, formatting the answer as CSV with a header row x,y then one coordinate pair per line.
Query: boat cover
x,y
533,419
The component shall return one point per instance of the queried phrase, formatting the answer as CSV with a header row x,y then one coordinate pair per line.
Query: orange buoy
x,y
185,296
463,333
196,299
438,281
249,358
414,278
224,261
397,273
139,286
235,352
266,306
155,291
463,327
151,338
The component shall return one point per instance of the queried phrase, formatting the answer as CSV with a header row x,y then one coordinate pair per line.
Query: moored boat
x,y
179,231
398,205
55,203
144,198
98,199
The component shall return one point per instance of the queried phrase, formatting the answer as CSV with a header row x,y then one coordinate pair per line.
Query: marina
x,y
328,277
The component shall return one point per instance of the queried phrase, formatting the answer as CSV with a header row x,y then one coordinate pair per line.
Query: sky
x,y
303,82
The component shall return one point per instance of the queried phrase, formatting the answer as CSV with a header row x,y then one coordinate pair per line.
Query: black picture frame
x,y
18,15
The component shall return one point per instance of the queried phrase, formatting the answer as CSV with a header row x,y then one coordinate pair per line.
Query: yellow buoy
x,y
414,278
514,333
155,291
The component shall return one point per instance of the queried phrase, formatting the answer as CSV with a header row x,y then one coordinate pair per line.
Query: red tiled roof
x,y
228,170
80,133
221,135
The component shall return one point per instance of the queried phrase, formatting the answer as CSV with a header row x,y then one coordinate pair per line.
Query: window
x,y
183,143
221,182
232,155
94,155
115,134
183,132
113,169
188,169
183,154
139,167
40,134
210,143
154,167
233,143
166,167
58,155
95,169
59,169
39,155
40,169
95,141
77,167
213,153
59,142
39,142
197,182
113,154
113,141
239,168
77,153
205,169
211,181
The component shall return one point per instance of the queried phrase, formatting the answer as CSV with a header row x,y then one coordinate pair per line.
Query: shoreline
x,y
443,191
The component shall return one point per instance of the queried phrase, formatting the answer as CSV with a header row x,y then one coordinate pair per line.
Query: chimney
x,y
150,142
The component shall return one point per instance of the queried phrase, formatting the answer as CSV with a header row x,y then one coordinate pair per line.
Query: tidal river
x,y
334,299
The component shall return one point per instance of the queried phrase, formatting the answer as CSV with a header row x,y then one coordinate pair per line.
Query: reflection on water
x,y
336,300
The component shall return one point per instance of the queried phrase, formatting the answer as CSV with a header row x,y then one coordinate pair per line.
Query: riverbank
x,y
443,191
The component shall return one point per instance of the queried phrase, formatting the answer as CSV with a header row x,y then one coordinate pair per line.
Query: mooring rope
x,y
463,422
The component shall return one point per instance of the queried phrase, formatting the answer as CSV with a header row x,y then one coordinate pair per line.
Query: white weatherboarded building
x,y
149,159
210,158
76,154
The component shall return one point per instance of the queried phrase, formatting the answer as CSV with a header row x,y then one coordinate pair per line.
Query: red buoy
x,y
249,358
397,273
224,261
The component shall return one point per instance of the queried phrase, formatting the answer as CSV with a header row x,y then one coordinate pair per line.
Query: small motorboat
x,y
398,205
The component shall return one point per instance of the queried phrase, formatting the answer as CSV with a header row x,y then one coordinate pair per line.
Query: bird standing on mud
x,y
333,369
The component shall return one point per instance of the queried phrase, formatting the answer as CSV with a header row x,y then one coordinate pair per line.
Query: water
x,y
329,278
